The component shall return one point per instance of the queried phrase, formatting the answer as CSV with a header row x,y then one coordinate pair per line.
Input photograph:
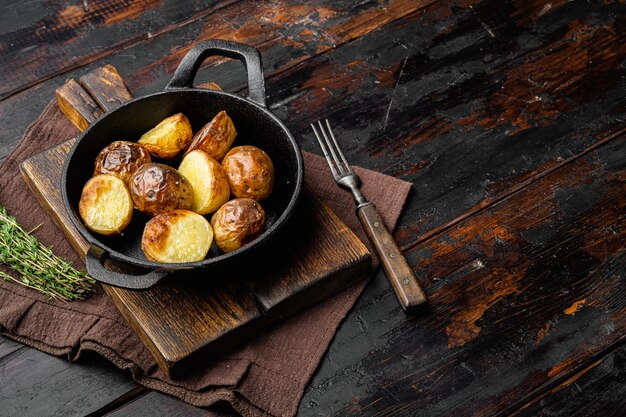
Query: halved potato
x,y
237,222
121,158
177,236
105,205
250,172
209,182
156,188
169,137
216,137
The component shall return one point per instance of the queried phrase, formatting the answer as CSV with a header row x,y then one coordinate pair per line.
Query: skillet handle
x,y
250,56
94,260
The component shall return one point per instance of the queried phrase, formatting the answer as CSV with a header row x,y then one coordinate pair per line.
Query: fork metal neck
x,y
358,197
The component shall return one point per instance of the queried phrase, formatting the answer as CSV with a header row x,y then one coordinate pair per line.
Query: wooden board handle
x,y
400,274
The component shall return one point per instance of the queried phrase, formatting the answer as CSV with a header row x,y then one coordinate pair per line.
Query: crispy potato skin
x,y
156,188
209,182
167,139
237,222
121,159
250,172
177,236
216,137
105,205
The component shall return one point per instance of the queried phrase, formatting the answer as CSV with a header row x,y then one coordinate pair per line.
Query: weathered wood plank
x,y
107,87
430,108
155,404
37,384
598,390
519,295
295,34
42,41
8,346
77,105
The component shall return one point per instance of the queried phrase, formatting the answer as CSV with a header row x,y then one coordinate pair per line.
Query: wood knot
x,y
502,233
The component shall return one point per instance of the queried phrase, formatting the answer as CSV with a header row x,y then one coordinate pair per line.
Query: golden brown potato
x,y
121,159
169,137
237,222
156,188
210,185
105,205
250,172
216,137
177,236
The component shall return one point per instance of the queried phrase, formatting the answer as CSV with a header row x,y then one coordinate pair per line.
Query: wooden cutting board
x,y
188,321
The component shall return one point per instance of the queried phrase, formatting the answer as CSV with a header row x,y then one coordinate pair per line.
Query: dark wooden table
x,y
501,113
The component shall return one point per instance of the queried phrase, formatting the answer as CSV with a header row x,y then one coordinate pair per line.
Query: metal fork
x,y
398,271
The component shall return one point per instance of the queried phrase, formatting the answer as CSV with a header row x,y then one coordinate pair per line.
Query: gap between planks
x,y
120,401
580,368
490,202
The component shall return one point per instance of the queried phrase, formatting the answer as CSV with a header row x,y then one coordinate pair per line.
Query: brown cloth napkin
x,y
267,376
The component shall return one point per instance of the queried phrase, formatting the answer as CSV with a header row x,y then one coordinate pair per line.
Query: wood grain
x,y
107,87
77,104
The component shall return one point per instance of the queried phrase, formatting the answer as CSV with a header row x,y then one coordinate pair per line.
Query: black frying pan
x,y
255,126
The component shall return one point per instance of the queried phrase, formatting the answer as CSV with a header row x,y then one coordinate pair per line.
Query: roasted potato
x,y
121,159
216,137
105,205
169,137
250,172
156,188
210,185
177,236
237,222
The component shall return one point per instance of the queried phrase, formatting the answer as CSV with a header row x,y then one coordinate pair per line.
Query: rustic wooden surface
x,y
183,323
494,109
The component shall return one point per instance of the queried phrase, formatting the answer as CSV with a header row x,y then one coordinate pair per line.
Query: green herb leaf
x,y
39,268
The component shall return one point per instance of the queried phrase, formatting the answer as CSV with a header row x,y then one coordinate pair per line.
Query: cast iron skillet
x,y
255,126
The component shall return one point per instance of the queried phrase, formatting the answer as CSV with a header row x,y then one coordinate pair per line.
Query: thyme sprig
x,y
39,268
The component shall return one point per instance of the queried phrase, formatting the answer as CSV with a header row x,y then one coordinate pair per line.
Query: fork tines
x,y
338,164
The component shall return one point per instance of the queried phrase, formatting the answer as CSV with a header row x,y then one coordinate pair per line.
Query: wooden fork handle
x,y
400,274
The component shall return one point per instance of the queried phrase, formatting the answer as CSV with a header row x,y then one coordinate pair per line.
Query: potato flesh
x,y
177,236
168,138
105,205
209,182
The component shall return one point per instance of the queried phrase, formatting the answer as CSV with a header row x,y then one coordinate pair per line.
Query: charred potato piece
x,y
177,236
209,182
216,137
105,205
167,139
156,188
237,222
121,159
250,172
